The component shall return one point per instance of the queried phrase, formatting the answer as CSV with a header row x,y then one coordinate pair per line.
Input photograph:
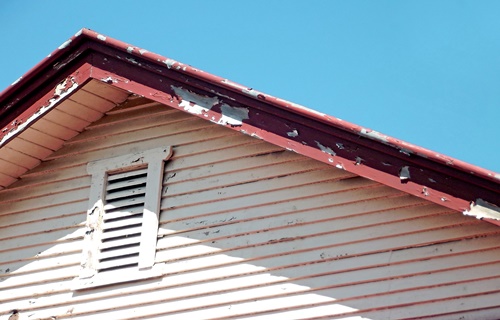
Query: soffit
x,y
48,132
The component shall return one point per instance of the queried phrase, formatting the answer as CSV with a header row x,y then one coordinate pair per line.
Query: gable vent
x,y
122,220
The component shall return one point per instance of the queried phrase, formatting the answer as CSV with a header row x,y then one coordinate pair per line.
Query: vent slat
x,y
128,183
121,232
119,252
123,214
133,220
125,203
126,193
131,240
118,263
123,175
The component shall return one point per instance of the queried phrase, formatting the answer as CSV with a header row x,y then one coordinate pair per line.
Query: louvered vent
x,y
122,220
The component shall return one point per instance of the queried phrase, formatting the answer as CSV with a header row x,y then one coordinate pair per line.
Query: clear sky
x,y
427,72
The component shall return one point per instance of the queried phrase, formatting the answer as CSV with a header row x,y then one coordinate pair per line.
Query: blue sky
x,y
427,72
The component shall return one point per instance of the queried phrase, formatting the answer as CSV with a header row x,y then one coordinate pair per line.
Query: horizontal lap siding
x,y
246,230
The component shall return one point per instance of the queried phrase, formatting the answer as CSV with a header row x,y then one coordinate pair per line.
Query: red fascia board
x,y
302,111
271,127
352,147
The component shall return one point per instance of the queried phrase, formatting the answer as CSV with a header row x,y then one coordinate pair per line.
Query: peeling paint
x,y
132,60
63,89
251,92
130,49
233,116
375,135
222,95
425,192
18,79
79,33
169,63
235,85
431,180
387,164
101,37
483,209
325,149
339,166
406,151
194,103
359,160
444,199
404,174
64,44
109,80
339,145
142,51
301,107
254,93
293,133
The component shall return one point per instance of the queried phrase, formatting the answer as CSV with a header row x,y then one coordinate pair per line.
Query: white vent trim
x,y
152,161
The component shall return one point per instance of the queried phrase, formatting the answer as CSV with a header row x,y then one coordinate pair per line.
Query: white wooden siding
x,y
247,230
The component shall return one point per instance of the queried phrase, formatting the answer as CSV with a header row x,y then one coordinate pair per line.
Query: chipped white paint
x,y
130,49
306,109
132,60
339,166
294,133
109,79
374,135
170,63
254,135
483,209
425,192
18,79
339,145
60,92
64,44
194,103
325,149
406,151
142,51
236,86
101,37
253,93
233,116
404,173
431,180
79,33
222,95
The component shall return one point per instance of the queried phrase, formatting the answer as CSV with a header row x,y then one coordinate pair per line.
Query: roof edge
x,y
401,145
88,40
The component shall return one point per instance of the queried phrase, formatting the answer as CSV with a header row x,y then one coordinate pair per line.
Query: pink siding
x,y
247,230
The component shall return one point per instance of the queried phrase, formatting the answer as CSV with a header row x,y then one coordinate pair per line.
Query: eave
x,y
91,56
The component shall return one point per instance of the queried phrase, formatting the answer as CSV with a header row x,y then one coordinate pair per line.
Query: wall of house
x,y
247,230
